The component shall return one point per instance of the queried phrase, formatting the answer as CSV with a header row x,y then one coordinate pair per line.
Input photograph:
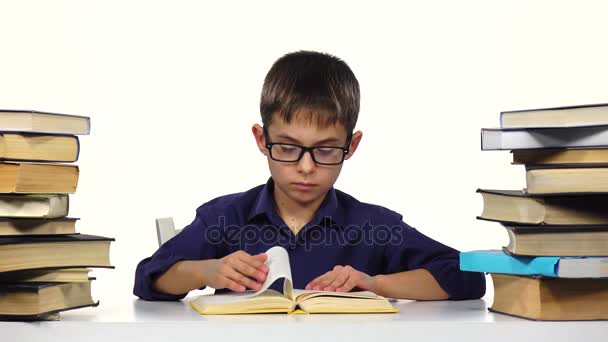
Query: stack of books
x,y
43,259
555,266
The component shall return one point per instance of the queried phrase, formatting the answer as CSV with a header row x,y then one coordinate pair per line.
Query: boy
x,y
309,107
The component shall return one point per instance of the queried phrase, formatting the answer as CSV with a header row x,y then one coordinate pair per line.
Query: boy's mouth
x,y
304,186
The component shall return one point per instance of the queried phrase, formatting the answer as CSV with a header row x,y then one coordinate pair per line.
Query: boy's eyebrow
x,y
320,142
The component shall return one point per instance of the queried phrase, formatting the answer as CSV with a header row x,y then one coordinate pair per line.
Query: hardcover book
x,y
54,251
557,240
38,178
39,147
291,300
573,156
43,122
59,275
64,225
542,138
34,206
570,116
566,179
497,261
27,301
555,299
520,207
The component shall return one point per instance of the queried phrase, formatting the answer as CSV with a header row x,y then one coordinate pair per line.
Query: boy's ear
x,y
354,143
258,134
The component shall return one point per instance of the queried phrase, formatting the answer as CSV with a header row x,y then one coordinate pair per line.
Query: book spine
x,y
77,149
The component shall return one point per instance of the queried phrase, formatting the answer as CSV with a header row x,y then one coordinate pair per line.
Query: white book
x,y
583,267
43,122
537,138
34,206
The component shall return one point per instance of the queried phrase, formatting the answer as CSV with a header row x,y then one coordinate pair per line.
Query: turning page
x,y
278,267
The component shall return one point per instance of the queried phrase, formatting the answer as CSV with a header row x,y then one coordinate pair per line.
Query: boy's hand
x,y
237,271
343,279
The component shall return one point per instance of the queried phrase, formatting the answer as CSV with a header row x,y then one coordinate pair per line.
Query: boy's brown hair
x,y
318,85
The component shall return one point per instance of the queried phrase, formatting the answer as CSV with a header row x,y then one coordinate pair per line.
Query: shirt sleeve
x,y
409,250
197,241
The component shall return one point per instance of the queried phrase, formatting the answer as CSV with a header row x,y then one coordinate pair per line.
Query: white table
x,y
126,318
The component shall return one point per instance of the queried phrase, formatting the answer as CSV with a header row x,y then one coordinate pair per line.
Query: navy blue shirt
x,y
344,231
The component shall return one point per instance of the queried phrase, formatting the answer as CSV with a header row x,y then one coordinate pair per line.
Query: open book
x,y
291,300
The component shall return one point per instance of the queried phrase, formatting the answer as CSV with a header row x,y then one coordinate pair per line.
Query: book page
x,y
278,265
232,297
258,301
305,294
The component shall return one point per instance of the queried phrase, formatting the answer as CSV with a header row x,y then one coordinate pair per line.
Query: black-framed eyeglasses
x,y
322,155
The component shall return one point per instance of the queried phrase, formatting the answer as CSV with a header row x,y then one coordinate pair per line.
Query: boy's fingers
x,y
242,280
261,256
329,278
232,285
249,271
313,285
318,284
324,280
310,285
256,261
349,285
340,279
240,254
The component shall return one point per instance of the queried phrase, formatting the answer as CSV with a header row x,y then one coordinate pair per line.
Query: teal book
x,y
497,261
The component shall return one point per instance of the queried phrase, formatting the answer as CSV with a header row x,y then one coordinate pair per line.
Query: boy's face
x,y
303,182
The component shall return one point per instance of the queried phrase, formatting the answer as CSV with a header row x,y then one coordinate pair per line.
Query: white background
x,y
172,89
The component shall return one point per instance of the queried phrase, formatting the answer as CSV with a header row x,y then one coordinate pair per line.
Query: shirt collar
x,y
330,209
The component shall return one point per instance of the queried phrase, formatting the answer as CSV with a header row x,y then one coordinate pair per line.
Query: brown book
x,y
64,225
557,240
38,178
39,147
555,299
566,179
561,156
43,122
34,206
519,207
54,251
29,300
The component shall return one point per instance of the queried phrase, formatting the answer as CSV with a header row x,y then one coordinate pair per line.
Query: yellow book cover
x,y
292,300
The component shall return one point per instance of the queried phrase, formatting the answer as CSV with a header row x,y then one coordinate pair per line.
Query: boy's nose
x,y
306,164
